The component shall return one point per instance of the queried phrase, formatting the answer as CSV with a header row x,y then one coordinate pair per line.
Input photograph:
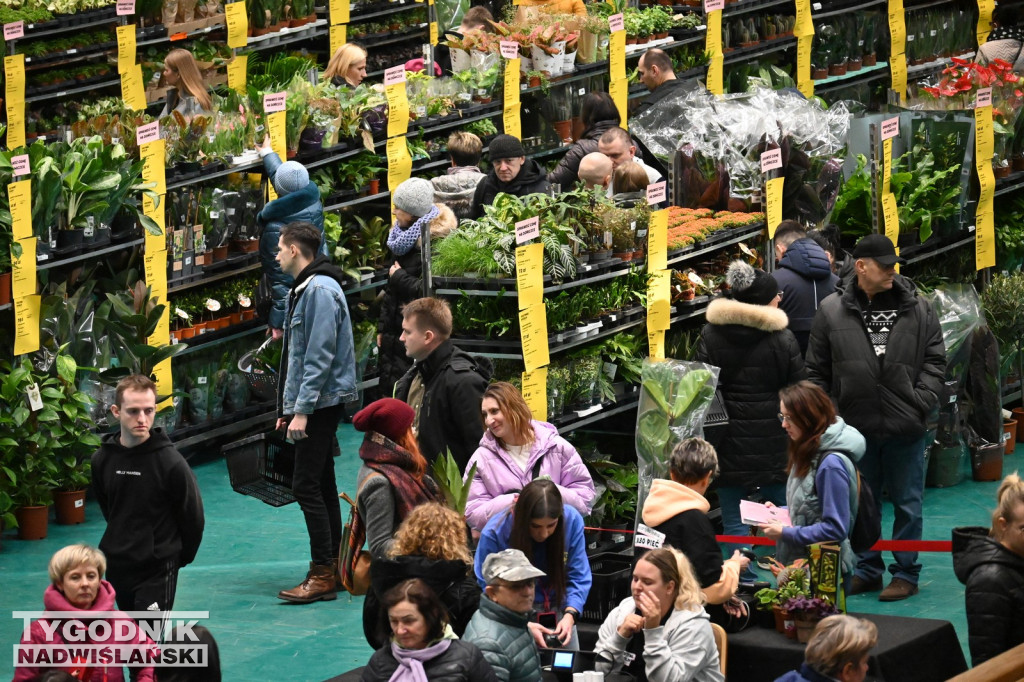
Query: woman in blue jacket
x,y
298,199
550,533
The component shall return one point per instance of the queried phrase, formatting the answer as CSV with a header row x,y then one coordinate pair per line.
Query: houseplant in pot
x,y
807,612
73,440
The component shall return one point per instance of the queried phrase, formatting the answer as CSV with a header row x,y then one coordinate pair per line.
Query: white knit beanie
x,y
415,196
291,176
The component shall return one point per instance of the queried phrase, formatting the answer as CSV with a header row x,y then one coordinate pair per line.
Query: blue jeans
x,y
729,497
898,465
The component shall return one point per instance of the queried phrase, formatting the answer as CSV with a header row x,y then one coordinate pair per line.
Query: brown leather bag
x,y
353,562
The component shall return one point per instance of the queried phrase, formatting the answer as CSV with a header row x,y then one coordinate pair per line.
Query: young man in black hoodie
x,y
511,173
150,499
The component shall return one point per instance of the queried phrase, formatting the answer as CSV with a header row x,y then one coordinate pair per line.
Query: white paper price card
x,y
656,193
34,399
14,30
771,159
648,538
616,22
890,128
527,229
509,49
394,75
147,133
125,7
274,102
20,164
984,98
712,5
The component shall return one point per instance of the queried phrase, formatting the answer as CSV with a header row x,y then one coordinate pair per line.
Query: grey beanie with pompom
x,y
750,285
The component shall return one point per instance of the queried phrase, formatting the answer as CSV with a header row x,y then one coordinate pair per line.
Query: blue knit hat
x,y
291,176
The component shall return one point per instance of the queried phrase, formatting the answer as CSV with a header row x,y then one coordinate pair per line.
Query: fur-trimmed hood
x,y
444,223
760,317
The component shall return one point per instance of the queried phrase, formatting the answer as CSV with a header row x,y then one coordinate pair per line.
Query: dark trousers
x,y
314,485
152,591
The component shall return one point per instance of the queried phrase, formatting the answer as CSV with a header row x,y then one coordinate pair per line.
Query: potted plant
x,y
807,612
73,440
792,582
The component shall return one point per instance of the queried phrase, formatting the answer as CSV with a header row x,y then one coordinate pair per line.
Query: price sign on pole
x,y
14,76
237,21
125,47
984,244
238,69
398,101
535,392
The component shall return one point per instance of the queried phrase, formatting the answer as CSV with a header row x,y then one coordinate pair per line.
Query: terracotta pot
x,y
853,65
187,332
374,186
1018,163
175,335
249,314
1000,171
626,256
294,23
1009,436
869,59
256,32
819,74
642,40
804,629
780,618
534,82
1018,415
631,40
577,128
688,295
563,129
70,506
200,328
235,318
33,522
987,462
5,288
837,70
220,252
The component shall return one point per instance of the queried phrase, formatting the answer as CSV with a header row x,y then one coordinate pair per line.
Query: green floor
x,y
251,550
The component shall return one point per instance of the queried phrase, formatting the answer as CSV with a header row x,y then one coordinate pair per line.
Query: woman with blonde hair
x,y
188,94
77,585
838,650
516,449
431,545
661,633
990,562
347,67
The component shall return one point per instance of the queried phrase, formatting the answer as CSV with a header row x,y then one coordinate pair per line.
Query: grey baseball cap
x,y
510,565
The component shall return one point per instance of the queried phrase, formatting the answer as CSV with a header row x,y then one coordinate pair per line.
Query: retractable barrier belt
x,y
880,546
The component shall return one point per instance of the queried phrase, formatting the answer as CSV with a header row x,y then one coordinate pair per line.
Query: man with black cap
x,y
501,627
511,172
876,347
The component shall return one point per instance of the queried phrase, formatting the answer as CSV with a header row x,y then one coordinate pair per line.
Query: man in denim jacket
x,y
318,376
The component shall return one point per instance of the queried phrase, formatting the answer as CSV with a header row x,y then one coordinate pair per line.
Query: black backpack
x,y
867,523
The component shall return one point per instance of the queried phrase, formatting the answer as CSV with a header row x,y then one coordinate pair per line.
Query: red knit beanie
x,y
389,417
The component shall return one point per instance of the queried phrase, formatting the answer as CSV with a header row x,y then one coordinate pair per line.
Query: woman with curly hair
x,y
430,545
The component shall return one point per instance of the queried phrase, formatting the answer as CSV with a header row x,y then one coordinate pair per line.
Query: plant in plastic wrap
x,y
674,398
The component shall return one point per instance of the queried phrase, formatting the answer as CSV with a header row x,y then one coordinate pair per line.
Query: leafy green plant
x,y
853,208
924,193
132,317
449,479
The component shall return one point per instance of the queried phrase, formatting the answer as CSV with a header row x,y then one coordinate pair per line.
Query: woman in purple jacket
x,y
516,449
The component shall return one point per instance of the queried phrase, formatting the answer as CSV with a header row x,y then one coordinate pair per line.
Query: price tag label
x,y
132,92
656,344
527,229
898,66
771,159
14,73
20,164
276,130
530,274
656,193
533,329
238,69
535,392
890,128
713,6
616,23
14,30
19,197
890,217
804,82
773,204
147,133
274,102
984,98
340,11
648,538
617,56
399,161
154,156
339,36
804,22
125,47
512,67
512,121
23,269
619,91
433,33
659,294
398,108
509,49
657,242
125,8
26,324
237,21
394,75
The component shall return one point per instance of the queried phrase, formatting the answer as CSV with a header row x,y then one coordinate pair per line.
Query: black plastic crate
x,y
261,466
612,576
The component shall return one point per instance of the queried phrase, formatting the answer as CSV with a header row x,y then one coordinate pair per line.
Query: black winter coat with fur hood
x,y
758,356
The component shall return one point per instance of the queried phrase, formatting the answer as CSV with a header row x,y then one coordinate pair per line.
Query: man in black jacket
x,y
445,385
805,278
655,70
876,347
511,173
150,499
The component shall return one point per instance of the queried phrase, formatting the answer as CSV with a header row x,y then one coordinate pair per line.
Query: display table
x,y
917,649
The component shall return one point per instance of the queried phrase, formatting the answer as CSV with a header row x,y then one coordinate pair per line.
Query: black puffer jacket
x,y
530,180
567,172
450,413
892,396
757,356
805,278
404,285
994,577
452,581
668,89
462,662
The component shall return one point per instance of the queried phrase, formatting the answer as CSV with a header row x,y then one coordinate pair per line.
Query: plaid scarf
x,y
394,463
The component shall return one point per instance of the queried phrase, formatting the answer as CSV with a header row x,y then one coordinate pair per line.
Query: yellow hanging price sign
x,y
984,244
152,209
154,156
238,69
14,77
891,217
715,75
530,274
512,121
155,263
656,343
276,131
773,204
23,269
433,32
713,45
533,330
618,89
804,21
19,196
339,36
26,324
535,393
237,21
659,293
399,162
617,55
125,47
398,101
340,13
985,9
163,378
657,241
512,67
804,82
132,92
898,48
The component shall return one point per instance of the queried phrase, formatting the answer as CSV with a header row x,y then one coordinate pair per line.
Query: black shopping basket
x,y
261,466
612,574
